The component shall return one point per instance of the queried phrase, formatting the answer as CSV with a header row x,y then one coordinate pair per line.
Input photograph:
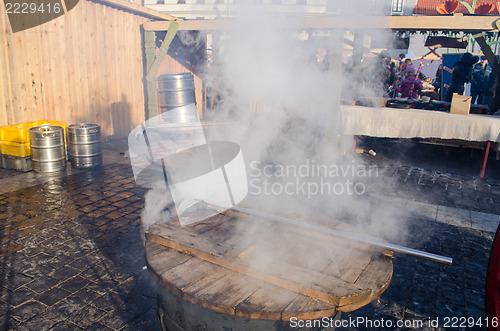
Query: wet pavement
x,y
72,254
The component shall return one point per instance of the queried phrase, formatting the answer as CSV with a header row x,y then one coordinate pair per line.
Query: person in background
x,y
411,85
490,94
404,66
401,61
437,81
428,89
460,74
392,80
376,73
480,79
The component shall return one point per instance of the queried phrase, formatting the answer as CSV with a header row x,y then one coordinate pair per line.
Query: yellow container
x,y
15,133
15,149
19,133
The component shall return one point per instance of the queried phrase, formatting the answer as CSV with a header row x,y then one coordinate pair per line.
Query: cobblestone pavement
x,y
72,254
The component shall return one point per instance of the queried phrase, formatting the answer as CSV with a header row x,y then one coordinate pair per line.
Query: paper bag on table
x,y
460,104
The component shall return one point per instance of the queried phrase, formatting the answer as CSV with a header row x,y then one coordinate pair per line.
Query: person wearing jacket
x,y
461,74
480,80
411,85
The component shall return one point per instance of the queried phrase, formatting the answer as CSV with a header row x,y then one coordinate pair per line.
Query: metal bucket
x,y
175,90
48,151
84,145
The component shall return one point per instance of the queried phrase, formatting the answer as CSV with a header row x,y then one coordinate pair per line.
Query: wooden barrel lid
x,y
240,265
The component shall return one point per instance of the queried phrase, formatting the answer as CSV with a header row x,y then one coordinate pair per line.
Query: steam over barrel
x,y
84,145
48,151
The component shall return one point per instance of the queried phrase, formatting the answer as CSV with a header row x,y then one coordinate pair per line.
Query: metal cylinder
x,y
367,240
48,150
84,145
175,90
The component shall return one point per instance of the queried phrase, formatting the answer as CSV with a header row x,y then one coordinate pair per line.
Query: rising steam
x,y
283,108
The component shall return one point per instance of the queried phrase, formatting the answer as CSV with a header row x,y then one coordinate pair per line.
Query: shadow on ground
x,y
72,255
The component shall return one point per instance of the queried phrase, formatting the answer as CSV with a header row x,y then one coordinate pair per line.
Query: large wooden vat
x,y
211,275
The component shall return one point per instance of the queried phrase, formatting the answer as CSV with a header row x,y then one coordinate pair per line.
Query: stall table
x,y
417,123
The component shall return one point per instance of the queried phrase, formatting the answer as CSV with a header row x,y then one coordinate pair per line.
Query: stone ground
x,y
72,255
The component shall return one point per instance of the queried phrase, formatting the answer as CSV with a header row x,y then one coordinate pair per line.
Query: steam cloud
x,y
283,109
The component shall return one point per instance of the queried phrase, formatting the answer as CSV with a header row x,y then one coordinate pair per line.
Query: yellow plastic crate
x,y
15,133
15,149
19,133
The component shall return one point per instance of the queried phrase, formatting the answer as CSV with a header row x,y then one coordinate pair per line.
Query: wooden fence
x,y
84,66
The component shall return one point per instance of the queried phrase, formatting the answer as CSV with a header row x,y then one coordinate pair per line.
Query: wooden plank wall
x,y
85,66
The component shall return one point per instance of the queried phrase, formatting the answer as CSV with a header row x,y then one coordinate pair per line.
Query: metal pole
x,y
368,241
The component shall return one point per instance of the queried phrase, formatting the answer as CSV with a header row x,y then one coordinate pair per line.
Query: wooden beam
x,y
316,285
162,52
133,7
151,87
438,23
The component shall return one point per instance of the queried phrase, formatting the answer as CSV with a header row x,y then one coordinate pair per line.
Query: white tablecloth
x,y
416,123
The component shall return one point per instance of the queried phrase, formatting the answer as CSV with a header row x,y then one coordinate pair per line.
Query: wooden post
x,y
153,63
151,87
484,159
357,55
162,52
494,64
335,47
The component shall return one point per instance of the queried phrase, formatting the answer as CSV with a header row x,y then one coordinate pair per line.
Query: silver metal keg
x,y
48,150
176,90
84,145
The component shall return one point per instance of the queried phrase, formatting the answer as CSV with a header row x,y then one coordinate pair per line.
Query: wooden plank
x,y
103,112
46,39
25,97
138,9
151,87
315,309
133,90
161,259
60,85
164,233
162,51
32,64
139,73
187,273
349,264
17,49
441,23
41,78
377,276
123,62
379,271
84,46
50,70
6,85
76,63
38,77
113,72
225,232
124,51
207,224
322,287
259,306
222,291
313,257
326,253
